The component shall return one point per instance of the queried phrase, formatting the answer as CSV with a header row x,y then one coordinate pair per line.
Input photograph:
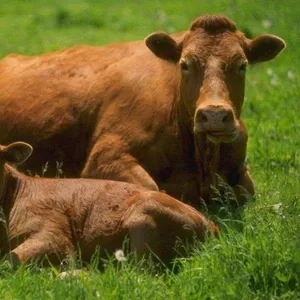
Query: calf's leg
x,y
144,235
155,223
40,246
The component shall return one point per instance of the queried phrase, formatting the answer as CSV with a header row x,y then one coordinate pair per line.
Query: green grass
x,y
261,261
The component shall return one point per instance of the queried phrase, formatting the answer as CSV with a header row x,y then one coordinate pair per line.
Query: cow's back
x,y
52,90
62,101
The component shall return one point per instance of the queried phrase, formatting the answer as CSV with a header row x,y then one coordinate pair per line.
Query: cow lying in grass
x,y
54,218
164,114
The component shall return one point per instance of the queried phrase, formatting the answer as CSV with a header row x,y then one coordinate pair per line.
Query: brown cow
x,y
165,119
55,217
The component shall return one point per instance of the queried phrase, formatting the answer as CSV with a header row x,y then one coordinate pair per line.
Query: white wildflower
x,y
277,206
267,23
269,71
97,294
162,16
274,81
291,75
119,254
71,273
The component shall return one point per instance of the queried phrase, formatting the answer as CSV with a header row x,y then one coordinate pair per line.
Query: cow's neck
x,y
207,159
183,128
202,155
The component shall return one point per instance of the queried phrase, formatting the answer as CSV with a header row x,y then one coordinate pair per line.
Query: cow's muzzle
x,y
217,122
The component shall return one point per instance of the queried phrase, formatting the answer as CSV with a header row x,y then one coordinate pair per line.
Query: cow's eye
x,y
184,66
242,68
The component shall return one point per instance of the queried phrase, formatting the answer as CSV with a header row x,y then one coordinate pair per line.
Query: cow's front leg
x,y
233,167
240,181
182,185
109,159
244,187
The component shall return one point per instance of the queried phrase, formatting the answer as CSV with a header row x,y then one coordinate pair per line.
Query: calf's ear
x,y
164,46
16,153
264,48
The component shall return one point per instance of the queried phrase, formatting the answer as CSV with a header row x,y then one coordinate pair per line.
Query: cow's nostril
x,y
228,117
202,118
225,118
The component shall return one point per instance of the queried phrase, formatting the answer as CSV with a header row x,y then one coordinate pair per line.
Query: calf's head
x,y
213,57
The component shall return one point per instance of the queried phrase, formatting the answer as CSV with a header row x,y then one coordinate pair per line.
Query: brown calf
x,y
165,119
57,217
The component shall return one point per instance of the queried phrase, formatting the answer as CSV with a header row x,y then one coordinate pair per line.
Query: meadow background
x,y
261,261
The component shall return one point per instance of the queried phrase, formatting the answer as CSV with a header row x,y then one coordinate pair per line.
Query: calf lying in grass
x,y
55,218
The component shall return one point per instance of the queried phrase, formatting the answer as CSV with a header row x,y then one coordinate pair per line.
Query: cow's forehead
x,y
228,46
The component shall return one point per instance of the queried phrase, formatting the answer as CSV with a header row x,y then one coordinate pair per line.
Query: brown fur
x,y
121,112
216,23
57,217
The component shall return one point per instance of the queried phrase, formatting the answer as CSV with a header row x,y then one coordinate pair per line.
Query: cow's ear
x,y
264,48
164,46
16,153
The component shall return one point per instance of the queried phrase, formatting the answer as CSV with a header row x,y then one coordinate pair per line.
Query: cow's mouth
x,y
217,135
221,136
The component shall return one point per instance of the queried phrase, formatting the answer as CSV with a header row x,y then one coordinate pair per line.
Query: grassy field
x,y
262,261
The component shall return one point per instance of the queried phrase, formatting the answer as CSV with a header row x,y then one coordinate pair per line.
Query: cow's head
x,y
213,57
